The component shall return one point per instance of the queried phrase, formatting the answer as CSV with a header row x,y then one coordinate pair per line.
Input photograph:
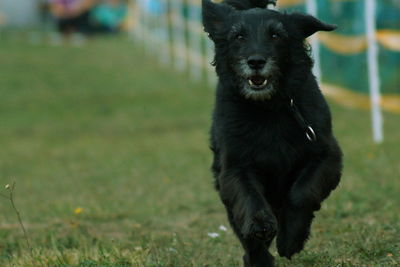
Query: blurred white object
x,y
223,228
213,235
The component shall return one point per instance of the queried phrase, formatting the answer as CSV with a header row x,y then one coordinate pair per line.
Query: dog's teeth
x,y
251,83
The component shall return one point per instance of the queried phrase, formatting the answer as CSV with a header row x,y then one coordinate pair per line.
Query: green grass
x,y
107,129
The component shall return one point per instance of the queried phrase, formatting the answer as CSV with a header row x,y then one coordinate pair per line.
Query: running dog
x,y
275,157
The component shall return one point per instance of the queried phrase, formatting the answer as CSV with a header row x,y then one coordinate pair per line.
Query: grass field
x,y
109,152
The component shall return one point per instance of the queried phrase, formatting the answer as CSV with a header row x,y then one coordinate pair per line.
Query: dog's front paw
x,y
287,246
262,225
293,233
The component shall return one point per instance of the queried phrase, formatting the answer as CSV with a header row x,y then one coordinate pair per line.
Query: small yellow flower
x,y
7,186
78,210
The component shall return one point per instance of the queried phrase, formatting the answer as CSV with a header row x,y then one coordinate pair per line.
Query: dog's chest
x,y
275,159
273,145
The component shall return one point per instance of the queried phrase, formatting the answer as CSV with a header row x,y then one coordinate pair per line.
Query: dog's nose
x,y
256,62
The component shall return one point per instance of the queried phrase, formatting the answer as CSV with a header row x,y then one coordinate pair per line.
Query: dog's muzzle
x,y
257,63
258,74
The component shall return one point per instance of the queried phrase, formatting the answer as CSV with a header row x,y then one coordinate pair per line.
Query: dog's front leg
x,y
314,184
242,196
249,214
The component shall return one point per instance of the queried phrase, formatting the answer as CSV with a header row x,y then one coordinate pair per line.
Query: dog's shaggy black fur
x,y
271,177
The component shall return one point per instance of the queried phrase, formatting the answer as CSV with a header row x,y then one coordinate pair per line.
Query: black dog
x,y
275,158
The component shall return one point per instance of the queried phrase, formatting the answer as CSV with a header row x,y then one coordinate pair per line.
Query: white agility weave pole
x,y
312,9
194,35
373,71
178,35
165,50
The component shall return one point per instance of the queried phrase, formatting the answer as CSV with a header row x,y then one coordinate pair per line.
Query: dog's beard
x,y
259,84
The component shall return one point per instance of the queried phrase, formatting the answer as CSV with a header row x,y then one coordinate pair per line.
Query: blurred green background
x,y
113,133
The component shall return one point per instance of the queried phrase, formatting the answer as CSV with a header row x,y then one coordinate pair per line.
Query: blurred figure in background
x,y
73,16
109,16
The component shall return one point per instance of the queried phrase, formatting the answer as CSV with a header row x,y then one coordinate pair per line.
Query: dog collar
x,y
310,133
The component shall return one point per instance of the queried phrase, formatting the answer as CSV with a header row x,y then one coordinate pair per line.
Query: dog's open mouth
x,y
257,82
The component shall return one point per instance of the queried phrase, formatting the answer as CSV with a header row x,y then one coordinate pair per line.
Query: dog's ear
x,y
214,16
308,25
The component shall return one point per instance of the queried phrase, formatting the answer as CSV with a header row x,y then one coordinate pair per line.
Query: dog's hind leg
x,y
256,250
313,185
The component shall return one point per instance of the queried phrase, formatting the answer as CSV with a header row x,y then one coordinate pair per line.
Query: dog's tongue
x,y
257,80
